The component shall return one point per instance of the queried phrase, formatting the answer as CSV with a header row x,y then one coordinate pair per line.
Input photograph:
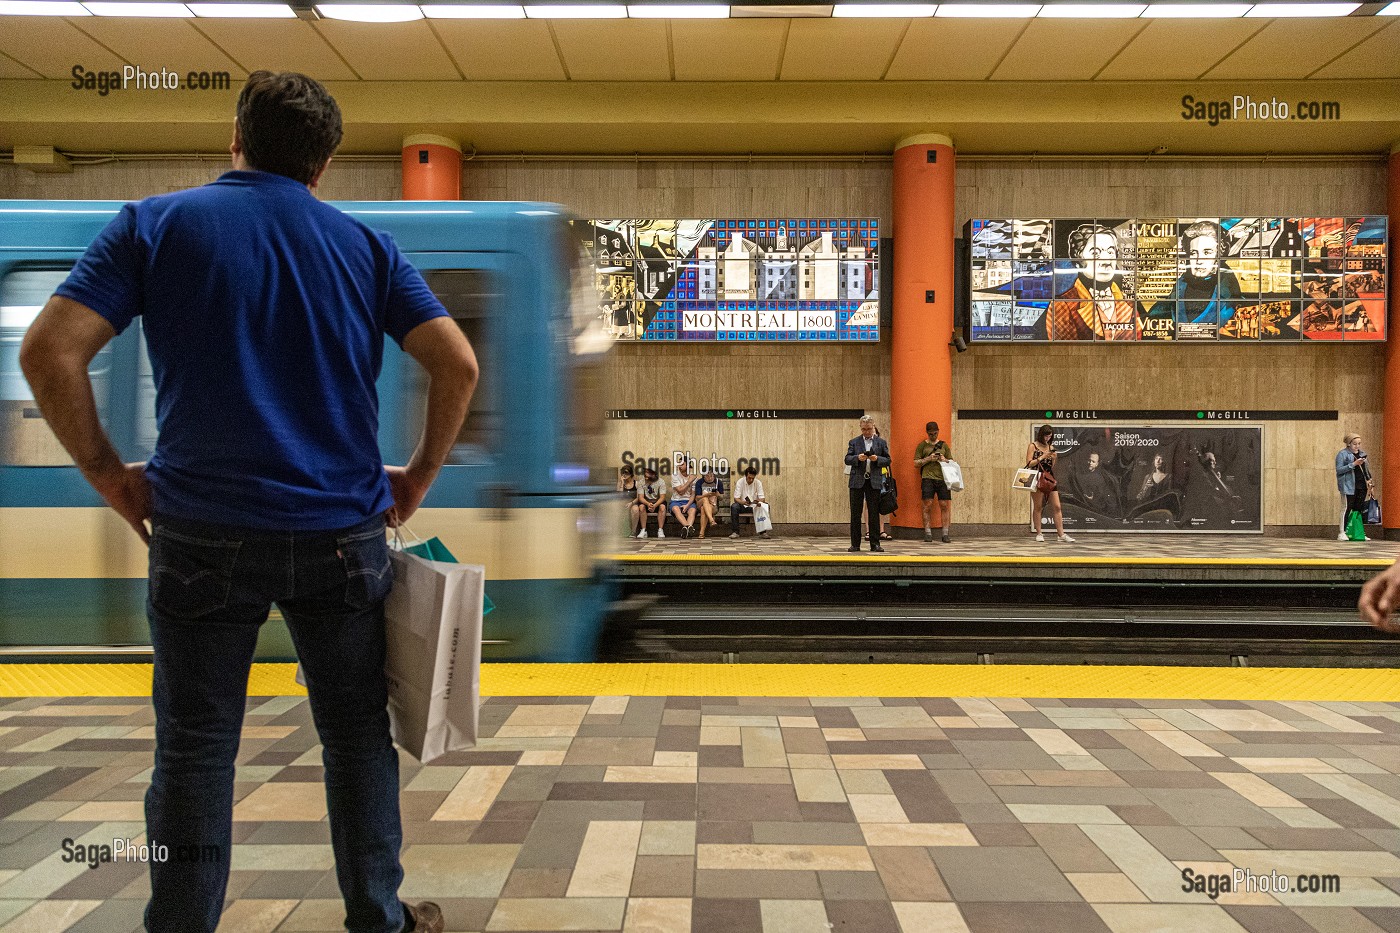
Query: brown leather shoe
x,y
427,917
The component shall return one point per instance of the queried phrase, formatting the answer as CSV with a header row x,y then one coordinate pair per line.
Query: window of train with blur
x,y
25,438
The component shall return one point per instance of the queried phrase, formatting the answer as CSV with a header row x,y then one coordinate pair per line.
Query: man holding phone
x,y
867,456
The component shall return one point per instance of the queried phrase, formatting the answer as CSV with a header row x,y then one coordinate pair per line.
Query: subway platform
x,y
1165,558
769,799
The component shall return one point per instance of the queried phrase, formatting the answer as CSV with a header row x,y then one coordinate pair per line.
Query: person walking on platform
x,y
264,313
929,457
866,455
1353,481
1040,455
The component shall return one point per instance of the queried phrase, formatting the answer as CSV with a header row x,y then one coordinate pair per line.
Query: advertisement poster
x,y
1210,279
1134,479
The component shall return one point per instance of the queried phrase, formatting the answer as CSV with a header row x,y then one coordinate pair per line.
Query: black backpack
x,y
889,496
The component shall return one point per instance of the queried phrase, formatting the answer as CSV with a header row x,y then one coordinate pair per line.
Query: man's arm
x,y
55,355
444,352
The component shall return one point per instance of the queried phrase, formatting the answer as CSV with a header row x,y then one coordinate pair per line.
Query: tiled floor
x,y
1238,547
731,815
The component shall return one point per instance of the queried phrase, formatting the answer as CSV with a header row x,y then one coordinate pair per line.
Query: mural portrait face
x,y
1096,248
1203,256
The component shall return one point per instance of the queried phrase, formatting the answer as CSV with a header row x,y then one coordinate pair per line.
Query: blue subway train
x,y
517,495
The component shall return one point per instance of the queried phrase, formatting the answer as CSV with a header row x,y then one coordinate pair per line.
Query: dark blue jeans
x,y
211,588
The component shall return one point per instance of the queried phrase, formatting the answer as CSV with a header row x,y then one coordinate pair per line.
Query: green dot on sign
x,y
1200,414
1049,414
729,414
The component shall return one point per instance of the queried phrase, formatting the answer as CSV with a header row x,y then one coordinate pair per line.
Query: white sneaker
x,y
642,533
660,533
1040,537
1066,539
1343,537
734,534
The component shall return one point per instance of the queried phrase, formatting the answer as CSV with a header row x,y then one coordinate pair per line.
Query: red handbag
x,y
1046,483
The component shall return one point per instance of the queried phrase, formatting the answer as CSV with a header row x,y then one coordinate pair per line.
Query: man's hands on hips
x,y
126,489
409,486
1379,599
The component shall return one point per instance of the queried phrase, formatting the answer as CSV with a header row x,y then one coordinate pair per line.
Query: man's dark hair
x,y
931,426
288,123
751,471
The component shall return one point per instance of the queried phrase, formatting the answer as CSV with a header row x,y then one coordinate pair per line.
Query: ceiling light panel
x,y
988,10
1392,10
678,11
578,11
1091,11
139,9
1195,10
903,10
472,11
242,10
1302,9
41,8
370,12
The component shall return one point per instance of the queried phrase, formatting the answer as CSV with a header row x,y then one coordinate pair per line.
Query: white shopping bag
x,y
761,520
952,476
432,622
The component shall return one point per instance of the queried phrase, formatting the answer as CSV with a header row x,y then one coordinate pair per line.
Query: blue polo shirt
x,y
264,312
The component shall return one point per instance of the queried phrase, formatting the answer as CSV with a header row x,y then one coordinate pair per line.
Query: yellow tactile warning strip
x,y
986,559
777,680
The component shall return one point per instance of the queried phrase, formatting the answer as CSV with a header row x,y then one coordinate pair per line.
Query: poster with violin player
x,y
1138,479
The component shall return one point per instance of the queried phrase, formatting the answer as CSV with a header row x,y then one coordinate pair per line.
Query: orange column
x,y
432,169
921,366
1390,417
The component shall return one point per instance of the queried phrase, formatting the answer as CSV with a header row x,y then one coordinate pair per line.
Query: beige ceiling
x,y
742,76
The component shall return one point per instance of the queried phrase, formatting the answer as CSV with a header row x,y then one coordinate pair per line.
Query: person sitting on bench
x,y
708,489
652,495
748,492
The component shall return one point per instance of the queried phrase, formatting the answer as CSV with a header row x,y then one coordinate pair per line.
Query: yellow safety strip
x,y
1009,559
793,680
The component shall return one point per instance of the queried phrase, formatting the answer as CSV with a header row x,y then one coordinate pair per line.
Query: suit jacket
x,y
855,448
1073,315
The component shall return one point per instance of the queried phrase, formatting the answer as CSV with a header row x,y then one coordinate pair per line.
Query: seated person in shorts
x,y
652,495
682,505
708,489
748,492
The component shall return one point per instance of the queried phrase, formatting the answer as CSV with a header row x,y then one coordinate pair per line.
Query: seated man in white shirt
x,y
748,492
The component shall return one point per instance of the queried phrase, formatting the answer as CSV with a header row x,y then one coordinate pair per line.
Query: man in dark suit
x,y
867,456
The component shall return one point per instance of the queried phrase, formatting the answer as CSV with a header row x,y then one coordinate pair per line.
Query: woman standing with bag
x,y
1041,456
1354,483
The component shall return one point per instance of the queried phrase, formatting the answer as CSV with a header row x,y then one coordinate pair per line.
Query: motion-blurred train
x,y
517,495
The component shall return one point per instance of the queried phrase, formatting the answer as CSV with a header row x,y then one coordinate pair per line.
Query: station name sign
x,y
733,414
1138,414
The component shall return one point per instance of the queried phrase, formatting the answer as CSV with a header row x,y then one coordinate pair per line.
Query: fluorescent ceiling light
x,y
1302,9
1392,10
472,11
905,10
1195,10
579,11
990,10
243,10
1091,10
370,12
678,11
139,9
41,8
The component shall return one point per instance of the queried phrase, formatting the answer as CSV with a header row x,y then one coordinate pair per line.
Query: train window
x,y
25,438
469,295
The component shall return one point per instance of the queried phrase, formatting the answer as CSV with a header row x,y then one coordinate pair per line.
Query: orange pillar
x,y
1390,417
432,168
921,366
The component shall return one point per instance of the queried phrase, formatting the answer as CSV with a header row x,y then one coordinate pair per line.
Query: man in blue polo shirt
x,y
265,313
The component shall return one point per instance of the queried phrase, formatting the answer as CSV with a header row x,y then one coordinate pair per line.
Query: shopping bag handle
x,y
398,543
